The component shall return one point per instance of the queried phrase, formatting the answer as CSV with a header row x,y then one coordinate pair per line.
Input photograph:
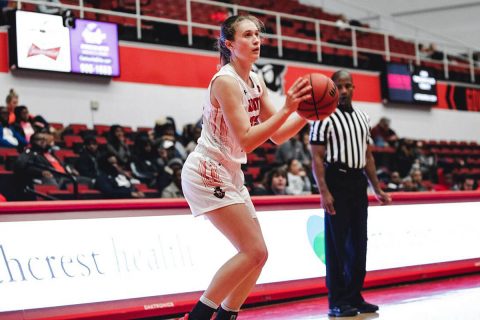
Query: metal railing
x,y
450,62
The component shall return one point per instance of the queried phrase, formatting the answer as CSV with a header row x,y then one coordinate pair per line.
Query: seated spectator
x,y
24,123
468,184
426,161
12,103
275,183
37,165
342,22
87,163
383,135
165,151
292,149
445,182
42,8
298,182
425,51
165,130
405,155
9,137
116,144
395,182
435,54
196,132
144,165
113,182
417,181
174,189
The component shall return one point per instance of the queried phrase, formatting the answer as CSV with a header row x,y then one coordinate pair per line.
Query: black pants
x,y
346,236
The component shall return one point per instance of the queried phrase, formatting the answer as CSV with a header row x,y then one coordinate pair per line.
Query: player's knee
x,y
259,255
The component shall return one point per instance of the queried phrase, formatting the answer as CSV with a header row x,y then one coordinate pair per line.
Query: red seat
x,y
254,172
101,129
56,125
65,153
70,140
77,127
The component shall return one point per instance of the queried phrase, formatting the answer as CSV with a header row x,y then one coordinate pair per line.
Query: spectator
x,y
9,137
298,182
426,161
445,182
275,183
395,183
12,102
468,184
342,22
405,155
435,53
417,181
196,132
165,130
144,165
42,8
425,51
117,145
174,189
383,135
165,151
87,163
24,123
113,182
292,149
36,165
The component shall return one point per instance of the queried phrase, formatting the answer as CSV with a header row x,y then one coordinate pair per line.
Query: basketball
x,y
324,98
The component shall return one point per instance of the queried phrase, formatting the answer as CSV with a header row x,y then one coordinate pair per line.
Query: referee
x,y
342,161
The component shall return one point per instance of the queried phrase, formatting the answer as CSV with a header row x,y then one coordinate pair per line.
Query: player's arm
x,y
294,123
226,95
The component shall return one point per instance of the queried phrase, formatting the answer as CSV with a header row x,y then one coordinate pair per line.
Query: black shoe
x,y
342,311
366,307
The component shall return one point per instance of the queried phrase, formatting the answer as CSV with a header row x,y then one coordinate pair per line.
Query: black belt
x,y
342,168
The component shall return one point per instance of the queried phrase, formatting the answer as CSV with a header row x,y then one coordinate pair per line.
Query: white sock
x,y
226,308
208,302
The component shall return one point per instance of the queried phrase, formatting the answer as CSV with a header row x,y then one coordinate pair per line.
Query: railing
x,y
357,41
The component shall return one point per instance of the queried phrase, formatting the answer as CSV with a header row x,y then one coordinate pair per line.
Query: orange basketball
x,y
324,98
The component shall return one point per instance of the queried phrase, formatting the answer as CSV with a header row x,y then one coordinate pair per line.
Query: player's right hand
x,y
298,92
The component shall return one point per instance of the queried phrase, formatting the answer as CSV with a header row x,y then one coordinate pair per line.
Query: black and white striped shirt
x,y
345,136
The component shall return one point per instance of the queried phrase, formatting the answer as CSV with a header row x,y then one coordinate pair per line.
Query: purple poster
x,y
94,48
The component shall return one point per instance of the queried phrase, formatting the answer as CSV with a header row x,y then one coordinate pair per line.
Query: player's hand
x,y
327,203
298,92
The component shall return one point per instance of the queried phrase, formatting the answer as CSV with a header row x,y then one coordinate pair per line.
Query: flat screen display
x,y
41,42
402,85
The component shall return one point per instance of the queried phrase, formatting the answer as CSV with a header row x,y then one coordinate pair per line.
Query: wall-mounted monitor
x,y
42,42
402,85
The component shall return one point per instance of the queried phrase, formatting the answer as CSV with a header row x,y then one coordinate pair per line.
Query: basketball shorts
x,y
208,185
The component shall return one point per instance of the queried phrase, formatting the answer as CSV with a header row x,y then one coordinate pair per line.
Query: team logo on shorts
x,y
219,193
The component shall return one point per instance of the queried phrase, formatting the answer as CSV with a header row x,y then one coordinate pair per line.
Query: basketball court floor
x,y
444,299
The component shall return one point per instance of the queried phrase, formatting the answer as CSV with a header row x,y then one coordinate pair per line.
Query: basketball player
x,y
237,117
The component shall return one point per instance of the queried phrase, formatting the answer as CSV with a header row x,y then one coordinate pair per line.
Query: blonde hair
x,y
12,94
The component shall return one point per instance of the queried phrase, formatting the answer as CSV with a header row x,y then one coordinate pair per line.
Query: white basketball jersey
x,y
216,140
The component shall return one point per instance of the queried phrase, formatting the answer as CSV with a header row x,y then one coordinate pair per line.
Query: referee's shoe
x,y
366,307
345,310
